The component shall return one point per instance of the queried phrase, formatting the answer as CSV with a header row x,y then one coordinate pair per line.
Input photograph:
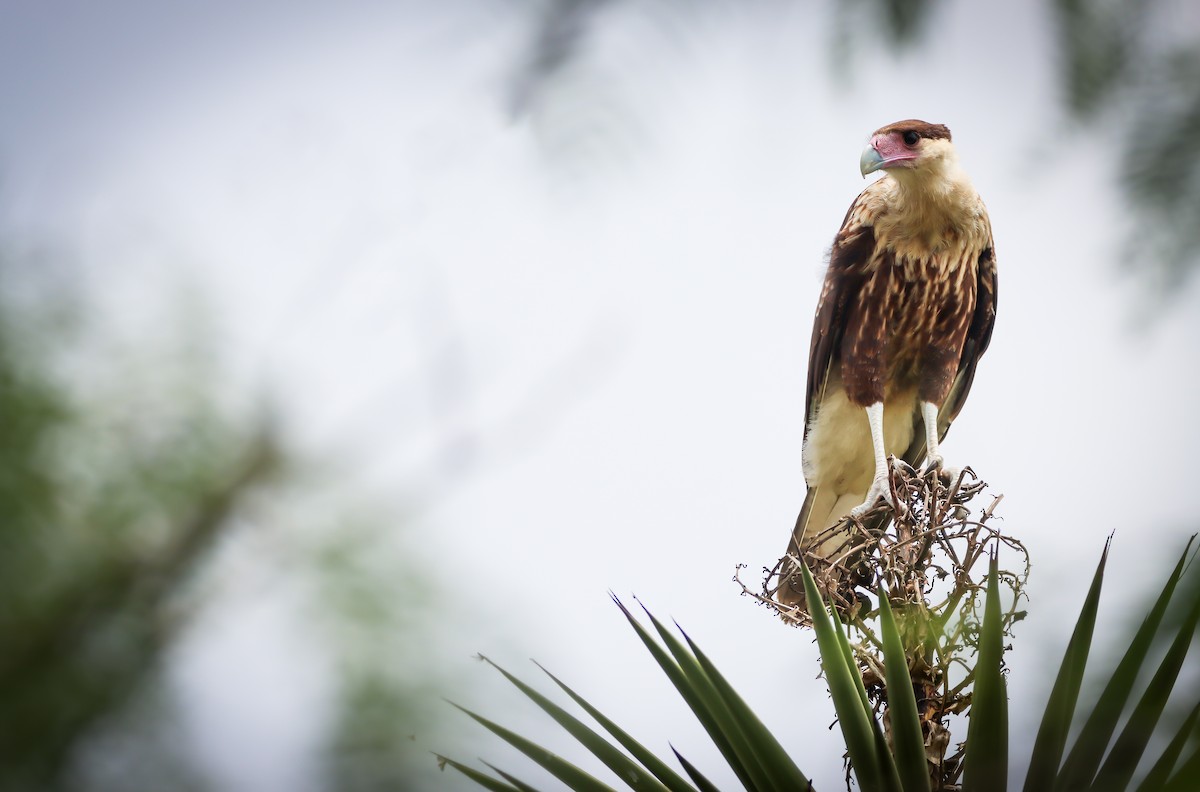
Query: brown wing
x,y
848,261
979,335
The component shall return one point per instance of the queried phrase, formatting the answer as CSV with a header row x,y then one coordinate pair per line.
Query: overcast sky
x,y
602,305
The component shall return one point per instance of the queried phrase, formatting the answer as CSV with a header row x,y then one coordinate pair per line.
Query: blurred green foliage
x,y
125,476
1160,174
104,512
382,612
1128,72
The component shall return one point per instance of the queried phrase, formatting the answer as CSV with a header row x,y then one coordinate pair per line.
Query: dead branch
x,y
930,557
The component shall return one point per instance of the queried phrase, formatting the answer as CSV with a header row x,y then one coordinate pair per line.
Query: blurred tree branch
x,y
93,559
123,487
1125,69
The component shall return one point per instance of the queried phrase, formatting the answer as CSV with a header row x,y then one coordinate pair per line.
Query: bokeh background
x,y
339,342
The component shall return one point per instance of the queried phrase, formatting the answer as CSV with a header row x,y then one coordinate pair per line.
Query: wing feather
x,y
849,260
979,335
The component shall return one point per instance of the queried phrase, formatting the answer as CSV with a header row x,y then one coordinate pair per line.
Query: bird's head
x,y
908,148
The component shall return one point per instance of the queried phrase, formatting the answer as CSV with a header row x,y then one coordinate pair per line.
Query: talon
x,y
881,490
933,462
949,474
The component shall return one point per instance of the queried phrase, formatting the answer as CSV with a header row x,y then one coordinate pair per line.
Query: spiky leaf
x,y
560,768
747,753
1156,779
1127,751
854,718
656,766
986,762
1060,709
782,771
702,783
626,769
484,780
1090,746
911,762
700,700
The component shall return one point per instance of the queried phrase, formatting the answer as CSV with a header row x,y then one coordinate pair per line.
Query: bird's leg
x,y
933,451
881,487
933,455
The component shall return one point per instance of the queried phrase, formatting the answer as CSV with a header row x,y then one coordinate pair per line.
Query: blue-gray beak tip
x,y
870,161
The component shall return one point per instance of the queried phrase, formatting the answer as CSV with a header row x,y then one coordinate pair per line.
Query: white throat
x,y
938,184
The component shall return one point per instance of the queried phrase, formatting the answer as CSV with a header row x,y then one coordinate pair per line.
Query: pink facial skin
x,y
893,150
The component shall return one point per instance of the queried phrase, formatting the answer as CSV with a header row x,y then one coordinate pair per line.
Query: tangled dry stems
x,y
927,557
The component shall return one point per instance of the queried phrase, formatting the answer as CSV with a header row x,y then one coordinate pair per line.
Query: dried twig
x,y
927,557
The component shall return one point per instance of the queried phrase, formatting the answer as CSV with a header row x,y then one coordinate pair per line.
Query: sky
x,y
575,339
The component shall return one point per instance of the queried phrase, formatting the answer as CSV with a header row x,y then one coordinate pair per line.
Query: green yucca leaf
x,y
1127,751
699,698
911,761
1093,739
656,766
626,769
761,763
745,749
890,776
986,763
1185,777
1156,779
517,783
847,650
890,780
560,768
783,772
843,679
485,781
1060,709
702,783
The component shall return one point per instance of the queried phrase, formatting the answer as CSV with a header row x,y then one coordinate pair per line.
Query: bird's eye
x,y
911,138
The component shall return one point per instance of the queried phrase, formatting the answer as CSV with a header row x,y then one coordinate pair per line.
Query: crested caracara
x,y
905,313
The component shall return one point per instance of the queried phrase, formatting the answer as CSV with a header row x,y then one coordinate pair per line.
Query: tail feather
x,y
797,538
821,511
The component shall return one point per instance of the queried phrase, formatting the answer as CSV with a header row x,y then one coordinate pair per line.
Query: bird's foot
x,y
881,490
950,475
945,472
933,462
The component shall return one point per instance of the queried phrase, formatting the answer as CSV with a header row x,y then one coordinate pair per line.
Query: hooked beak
x,y
870,161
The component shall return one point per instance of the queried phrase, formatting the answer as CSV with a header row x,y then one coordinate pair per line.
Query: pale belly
x,y
838,456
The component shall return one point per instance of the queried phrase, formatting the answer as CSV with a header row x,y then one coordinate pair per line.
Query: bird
x,y
905,313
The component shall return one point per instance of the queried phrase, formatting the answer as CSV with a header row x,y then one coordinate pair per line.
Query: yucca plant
x,y
896,660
